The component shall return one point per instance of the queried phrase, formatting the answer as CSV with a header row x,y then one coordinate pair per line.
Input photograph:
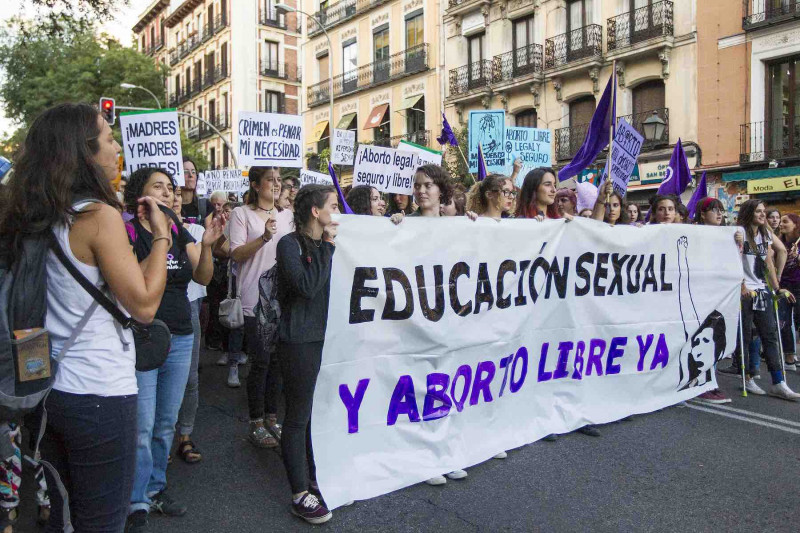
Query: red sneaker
x,y
715,396
310,510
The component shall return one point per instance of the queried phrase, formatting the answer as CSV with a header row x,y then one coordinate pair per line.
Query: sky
x,y
119,27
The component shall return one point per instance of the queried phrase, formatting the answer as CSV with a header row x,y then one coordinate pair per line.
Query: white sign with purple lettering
x,y
491,336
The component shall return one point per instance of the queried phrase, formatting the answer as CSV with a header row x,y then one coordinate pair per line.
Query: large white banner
x,y
491,336
152,139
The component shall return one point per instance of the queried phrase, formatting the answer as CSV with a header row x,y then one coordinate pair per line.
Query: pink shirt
x,y
246,226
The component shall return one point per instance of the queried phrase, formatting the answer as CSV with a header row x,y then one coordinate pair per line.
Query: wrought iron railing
x,y
637,121
339,12
272,17
516,63
214,75
653,20
421,138
219,121
464,79
569,140
578,44
154,47
758,13
276,69
386,142
395,67
767,140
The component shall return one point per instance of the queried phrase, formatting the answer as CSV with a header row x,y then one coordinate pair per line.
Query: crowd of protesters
x,y
111,430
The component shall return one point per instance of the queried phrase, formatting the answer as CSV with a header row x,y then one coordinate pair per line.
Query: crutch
x,y
780,337
741,351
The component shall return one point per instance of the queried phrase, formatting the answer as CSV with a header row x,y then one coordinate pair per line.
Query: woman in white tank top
x,y
70,153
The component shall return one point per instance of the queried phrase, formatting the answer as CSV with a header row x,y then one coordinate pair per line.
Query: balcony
x,y
397,66
637,122
272,17
768,140
577,45
762,13
194,41
468,78
569,140
650,22
340,12
153,48
219,121
517,63
213,76
421,138
276,69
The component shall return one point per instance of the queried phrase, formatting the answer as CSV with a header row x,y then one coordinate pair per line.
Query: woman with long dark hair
x,y
161,390
759,277
366,200
304,269
193,208
790,281
256,229
62,184
400,203
616,211
538,195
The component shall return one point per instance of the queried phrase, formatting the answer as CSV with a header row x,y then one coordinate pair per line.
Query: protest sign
x,y
230,180
487,128
422,155
386,169
343,147
270,139
201,189
532,145
492,336
309,177
152,139
626,148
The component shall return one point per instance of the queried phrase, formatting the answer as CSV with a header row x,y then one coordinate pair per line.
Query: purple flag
x,y
447,137
598,135
699,193
678,176
481,164
347,210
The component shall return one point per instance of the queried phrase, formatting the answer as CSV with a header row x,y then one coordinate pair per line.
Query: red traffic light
x,y
107,110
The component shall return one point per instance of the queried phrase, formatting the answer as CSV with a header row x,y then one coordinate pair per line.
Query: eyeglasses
x,y
509,194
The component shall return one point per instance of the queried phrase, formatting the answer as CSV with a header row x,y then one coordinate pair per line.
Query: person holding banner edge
x,y
304,259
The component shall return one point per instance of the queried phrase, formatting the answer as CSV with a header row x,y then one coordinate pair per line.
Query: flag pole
x,y
611,125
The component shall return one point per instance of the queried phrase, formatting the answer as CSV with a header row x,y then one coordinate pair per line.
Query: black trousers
x,y
300,365
264,379
91,442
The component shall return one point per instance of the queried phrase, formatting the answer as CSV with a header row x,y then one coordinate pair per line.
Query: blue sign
x,y
488,129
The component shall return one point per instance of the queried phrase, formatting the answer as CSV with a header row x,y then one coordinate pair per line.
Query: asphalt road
x,y
687,468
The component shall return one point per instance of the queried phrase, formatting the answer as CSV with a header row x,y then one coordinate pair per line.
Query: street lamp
x,y
132,86
653,127
290,9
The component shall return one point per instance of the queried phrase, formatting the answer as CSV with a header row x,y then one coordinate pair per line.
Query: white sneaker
x,y
223,360
436,480
501,455
782,390
241,359
791,366
751,387
233,377
457,474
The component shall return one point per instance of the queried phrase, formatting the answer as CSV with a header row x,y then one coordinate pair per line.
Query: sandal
x,y
189,452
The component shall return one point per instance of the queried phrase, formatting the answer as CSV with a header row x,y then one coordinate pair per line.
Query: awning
x,y
319,129
761,174
410,102
376,117
345,121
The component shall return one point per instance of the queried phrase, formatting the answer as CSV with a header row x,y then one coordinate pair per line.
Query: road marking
x,y
749,413
746,419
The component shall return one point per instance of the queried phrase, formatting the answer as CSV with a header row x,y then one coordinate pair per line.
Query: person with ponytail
x,y
492,198
304,259
790,281
255,230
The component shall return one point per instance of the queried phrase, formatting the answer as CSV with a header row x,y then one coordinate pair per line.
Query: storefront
x,y
777,187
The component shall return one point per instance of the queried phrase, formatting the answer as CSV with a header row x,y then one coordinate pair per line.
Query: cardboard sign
x,y
532,145
487,128
229,180
343,147
309,177
152,139
386,169
627,145
270,140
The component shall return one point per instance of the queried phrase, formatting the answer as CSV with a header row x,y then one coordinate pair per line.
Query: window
x,y
177,84
200,22
223,54
524,54
144,48
272,102
225,106
152,36
350,66
269,59
415,122
526,119
324,141
415,31
475,57
322,67
648,97
579,15
783,107
224,155
212,113
383,132
188,79
523,32
198,69
212,158
380,54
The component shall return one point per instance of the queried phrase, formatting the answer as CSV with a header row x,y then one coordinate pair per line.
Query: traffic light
x,y
107,110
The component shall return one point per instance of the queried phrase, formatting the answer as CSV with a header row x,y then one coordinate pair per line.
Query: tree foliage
x,y
55,16
454,162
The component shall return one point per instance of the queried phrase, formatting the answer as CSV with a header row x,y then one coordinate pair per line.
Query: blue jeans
x,y
160,396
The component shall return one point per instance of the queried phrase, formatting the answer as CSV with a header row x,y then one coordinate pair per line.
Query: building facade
x,y
546,62
750,64
385,60
225,56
